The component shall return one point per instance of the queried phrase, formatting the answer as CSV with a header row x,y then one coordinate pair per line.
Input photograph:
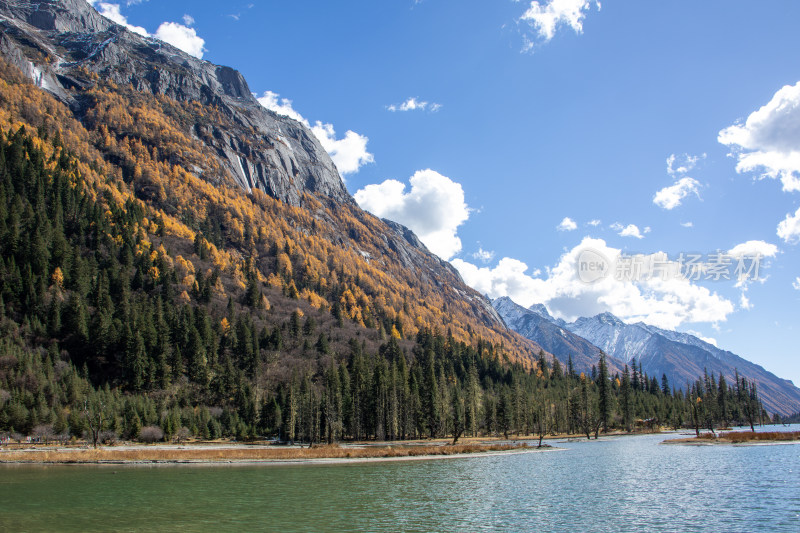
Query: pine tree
x,y
459,421
604,390
626,400
431,399
333,403
472,400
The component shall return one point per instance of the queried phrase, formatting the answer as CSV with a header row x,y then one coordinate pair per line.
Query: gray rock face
x,y
56,15
55,43
50,41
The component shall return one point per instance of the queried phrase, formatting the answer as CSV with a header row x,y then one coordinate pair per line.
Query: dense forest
x,y
119,319
96,339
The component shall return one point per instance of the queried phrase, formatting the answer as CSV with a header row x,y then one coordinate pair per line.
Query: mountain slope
x,y
682,357
65,46
612,335
208,164
537,325
174,255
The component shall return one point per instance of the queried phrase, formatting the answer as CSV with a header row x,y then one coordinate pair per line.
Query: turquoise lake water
x,y
617,484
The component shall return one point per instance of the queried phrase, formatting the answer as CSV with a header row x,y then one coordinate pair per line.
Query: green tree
x,y
626,400
604,392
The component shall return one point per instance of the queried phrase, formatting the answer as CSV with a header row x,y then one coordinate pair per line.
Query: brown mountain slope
x,y
210,166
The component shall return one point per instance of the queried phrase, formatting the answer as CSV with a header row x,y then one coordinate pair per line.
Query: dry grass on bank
x,y
747,436
739,437
244,453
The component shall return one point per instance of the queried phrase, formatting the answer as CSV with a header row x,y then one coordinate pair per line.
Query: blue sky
x,y
505,128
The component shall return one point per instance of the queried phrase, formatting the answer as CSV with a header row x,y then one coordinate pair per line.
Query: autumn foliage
x,y
146,150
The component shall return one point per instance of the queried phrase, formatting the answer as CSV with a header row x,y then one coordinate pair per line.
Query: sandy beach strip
x,y
244,454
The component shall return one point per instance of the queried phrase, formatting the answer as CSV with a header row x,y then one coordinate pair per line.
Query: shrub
x,y
183,434
43,433
151,434
107,437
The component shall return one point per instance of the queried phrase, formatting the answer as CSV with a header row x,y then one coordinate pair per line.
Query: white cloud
x,y
769,140
177,35
748,263
483,255
751,248
665,302
631,230
434,208
547,16
744,302
796,283
182,37
508,278
414,104
567,225
112,13
281,106
237,16
672,196
680,165
349,153
188,20
594,223
687,224
789,228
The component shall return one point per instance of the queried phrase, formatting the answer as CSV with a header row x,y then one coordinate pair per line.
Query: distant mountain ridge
x,y
537,325
682,357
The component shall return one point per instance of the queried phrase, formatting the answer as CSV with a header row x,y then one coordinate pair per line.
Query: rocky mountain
x,y
59,43
536,324
175,254
681,356
612,335
189,140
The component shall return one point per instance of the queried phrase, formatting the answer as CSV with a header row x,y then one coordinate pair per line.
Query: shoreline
x,y
694,441
262,453
243,455
320,461
739,438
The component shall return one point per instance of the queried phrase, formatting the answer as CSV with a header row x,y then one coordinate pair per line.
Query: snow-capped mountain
x,y
612,335
536,324
682,357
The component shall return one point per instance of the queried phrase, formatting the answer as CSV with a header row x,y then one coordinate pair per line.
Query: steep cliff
x,y
64,46
188,139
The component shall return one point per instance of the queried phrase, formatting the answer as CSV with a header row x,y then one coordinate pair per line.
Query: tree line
x,y
100,340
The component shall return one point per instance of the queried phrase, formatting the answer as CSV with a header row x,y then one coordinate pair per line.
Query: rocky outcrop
x,y
57,43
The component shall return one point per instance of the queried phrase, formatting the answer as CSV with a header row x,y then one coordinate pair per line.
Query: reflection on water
x,y
618,484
